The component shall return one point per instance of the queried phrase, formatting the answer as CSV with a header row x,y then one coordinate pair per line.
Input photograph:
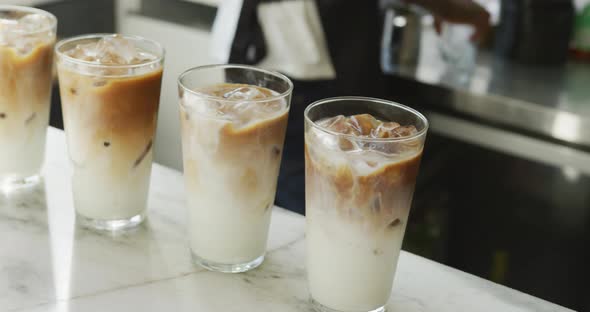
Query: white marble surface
x,y
49,264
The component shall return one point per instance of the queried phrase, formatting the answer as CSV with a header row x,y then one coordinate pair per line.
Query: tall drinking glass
x,y
361,158
27,37
234,120
110,91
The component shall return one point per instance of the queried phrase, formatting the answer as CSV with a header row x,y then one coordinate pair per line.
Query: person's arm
x,y
460,12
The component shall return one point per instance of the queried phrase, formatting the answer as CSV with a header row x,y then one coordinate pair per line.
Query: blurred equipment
x,y
581,44
402,31
535,32
458,52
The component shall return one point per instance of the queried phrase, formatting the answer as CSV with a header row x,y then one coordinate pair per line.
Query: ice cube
x,y
7,26
337,124
15,31
383,148
358,125
365,162
350,126
116,50
241,108
349,145
143,57
239,103
248,111
199,106
394,148
8,30
244,103
85,52
405,131
324,139
111,50
269,107
244,93
34,22
241,112
384,130
363,124
23,45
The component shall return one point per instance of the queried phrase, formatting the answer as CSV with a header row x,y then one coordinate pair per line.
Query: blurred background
x,y
504,187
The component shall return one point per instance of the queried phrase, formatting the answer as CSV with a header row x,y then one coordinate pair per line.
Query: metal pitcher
x,y
402,30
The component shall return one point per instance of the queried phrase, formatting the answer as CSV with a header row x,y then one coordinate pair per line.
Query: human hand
x,y
458,12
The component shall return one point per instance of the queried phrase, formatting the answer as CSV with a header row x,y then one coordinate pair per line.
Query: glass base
x,y
227,268
8,185
318,307
110,225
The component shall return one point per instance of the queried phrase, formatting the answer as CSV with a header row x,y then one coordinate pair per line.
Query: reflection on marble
x,y
47,263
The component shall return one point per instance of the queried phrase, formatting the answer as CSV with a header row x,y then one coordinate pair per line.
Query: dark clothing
x,y
352,31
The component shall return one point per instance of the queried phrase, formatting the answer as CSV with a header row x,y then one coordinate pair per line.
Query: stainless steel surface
x,y
506,171
548,102
555,155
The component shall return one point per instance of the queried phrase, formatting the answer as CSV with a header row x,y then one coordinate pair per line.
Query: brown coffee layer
x,y
25,81
269,133
267,137
382,197
250,148
221,90
114,114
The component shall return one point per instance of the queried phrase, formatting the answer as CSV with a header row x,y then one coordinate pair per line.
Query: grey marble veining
x,y
47,263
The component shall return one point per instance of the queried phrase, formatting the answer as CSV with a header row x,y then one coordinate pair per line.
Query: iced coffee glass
x,y
361,160
110,90
27,37
233,120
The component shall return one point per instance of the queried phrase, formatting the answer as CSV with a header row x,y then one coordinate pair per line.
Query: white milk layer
x,y
23,144
230,199
101,194
349,268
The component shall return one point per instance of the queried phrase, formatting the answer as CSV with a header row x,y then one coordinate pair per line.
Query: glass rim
x,y
19,8
366,99
282,95
159,58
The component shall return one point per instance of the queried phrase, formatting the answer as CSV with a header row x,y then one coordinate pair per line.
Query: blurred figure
x,y
458,12
328,48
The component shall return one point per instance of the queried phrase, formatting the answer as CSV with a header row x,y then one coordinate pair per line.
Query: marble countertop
x,y
49,264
